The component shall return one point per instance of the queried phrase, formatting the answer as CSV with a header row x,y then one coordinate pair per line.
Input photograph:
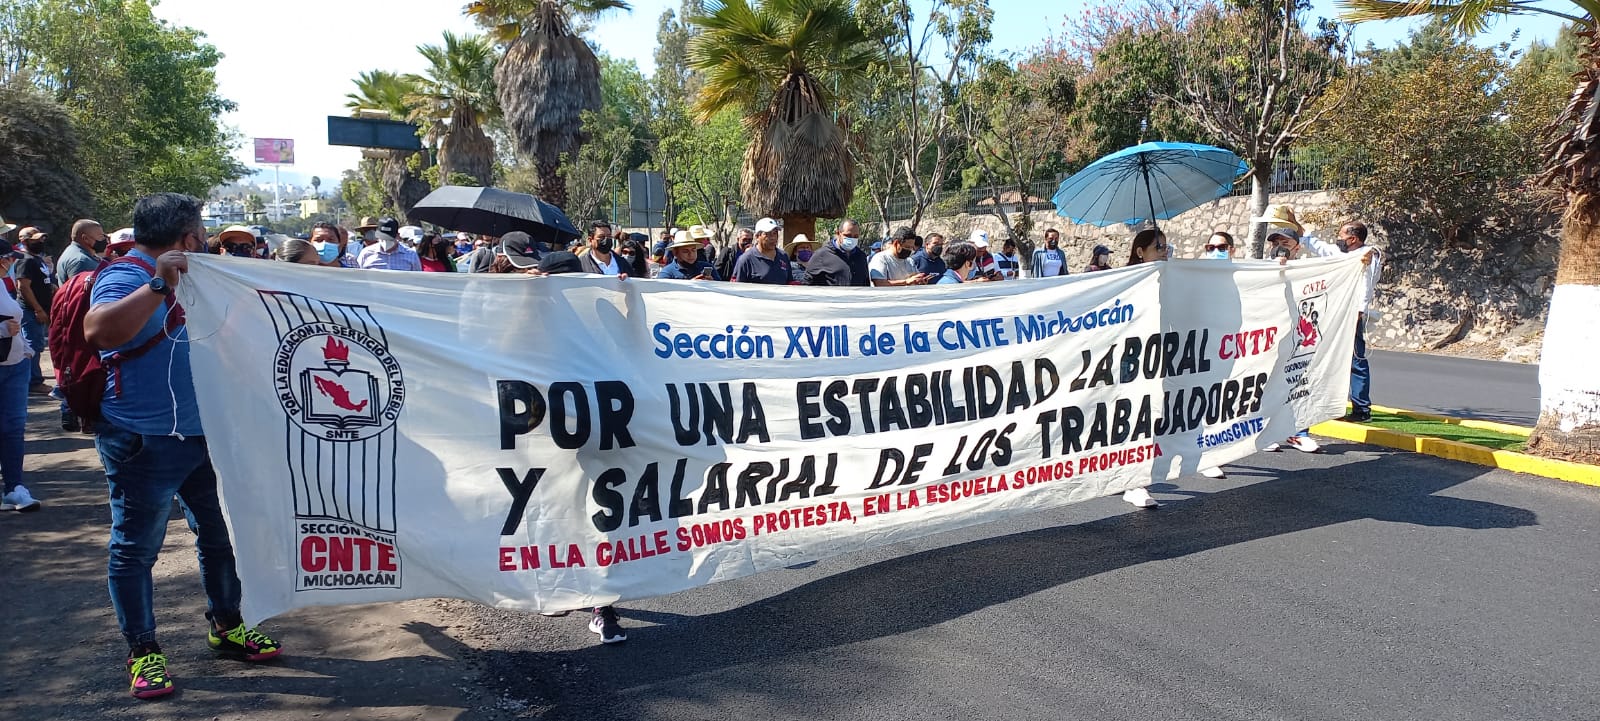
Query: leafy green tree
x,y
142,95
1017,119
453,99
1569,418
778,62
1127,97
38,159
708,172
904,118
1432,97
597,171
546,80
1250,75
398,172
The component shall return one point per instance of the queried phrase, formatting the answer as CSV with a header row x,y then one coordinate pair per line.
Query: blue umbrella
x,y
1151,181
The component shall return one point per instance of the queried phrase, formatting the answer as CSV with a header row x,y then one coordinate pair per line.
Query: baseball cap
x,y
767,225
411,232
237,234
31,233
560,262
520,249
388,228
980,237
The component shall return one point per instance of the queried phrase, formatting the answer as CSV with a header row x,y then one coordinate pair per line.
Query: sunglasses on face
x,y
1220,246
1159,247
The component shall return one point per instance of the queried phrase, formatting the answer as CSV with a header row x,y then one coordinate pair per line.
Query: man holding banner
x,y
152,443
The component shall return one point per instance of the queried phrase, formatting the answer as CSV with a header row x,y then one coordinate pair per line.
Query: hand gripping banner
x,y
556,443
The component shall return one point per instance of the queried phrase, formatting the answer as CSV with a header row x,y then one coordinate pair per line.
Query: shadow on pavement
x,y
923,589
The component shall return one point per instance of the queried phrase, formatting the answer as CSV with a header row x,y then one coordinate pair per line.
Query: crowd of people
x,y
149,436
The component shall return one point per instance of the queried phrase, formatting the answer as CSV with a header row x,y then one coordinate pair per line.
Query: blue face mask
x,y
847,243
328,252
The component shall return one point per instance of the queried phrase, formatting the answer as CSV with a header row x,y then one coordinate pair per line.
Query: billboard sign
x,y
275,151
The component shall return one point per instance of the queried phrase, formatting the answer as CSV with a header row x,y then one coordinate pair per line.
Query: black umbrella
x,y
495,212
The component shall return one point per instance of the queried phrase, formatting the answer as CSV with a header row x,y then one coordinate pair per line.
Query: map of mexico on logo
x,y
1307,337
341,392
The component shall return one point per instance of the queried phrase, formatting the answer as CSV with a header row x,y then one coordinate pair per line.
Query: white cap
x,y
767,225
979,237
410,232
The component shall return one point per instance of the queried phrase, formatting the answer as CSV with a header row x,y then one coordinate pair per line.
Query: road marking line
x,y
1466,452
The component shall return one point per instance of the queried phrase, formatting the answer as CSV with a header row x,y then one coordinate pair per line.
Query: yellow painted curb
x,y
1463,422
1455,451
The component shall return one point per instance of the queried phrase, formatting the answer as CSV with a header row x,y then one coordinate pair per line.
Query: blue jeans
x,y
1360,373
13,420
38,338
144,473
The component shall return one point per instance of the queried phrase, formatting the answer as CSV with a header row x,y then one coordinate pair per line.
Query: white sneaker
x,y
1271,448
1213,472
1304,444
19,500
1139,497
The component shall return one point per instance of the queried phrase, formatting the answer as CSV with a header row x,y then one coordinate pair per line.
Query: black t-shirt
x,y
41,282
830,266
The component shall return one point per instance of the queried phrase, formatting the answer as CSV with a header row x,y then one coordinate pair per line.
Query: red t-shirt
x,y
430,265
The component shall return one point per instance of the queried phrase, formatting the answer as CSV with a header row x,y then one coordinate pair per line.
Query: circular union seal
x,y
337,383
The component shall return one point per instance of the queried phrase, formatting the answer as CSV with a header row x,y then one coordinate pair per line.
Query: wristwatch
x,y
159,285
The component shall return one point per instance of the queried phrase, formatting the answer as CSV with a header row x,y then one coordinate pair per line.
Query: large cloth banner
x,y
563,442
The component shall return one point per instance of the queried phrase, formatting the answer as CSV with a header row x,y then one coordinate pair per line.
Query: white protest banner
x,y
563,442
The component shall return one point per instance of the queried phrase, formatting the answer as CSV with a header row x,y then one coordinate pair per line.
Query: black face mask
x,y
100,245
35,248
604,245
239,251
903,253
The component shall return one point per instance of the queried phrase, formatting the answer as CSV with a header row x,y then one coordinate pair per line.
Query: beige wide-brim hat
x,y
6,227
698,232
799,240
1280,216
367,223
682,239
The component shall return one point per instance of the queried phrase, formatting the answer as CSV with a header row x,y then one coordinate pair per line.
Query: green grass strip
x,y
1449,432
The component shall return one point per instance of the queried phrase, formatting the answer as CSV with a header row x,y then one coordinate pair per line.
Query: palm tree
x,y
1569,417
454,98
771,62
389,93
546,80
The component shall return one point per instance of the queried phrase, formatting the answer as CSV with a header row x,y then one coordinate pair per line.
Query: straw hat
x,y
6,227
1280,216
683,239
698,232
799,240
367,223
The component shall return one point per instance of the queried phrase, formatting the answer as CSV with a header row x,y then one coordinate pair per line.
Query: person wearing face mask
x,y
89,242
800,251
1218,247
892,265
1050,261
1007,262
930,259
683,258
984,264
1099,260
743,238
238,241
325,241
836,264
36,287
764,262
601,260
387,253
299,252
14,370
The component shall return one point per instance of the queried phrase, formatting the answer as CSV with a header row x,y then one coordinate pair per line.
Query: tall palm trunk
x,y
466,149
1569,387
404,187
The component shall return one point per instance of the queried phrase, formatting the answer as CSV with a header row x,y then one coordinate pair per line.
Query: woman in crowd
x,y
1100,260
1007,261
799,250
1218,247
634,253
301,252
434,253
15,374
1148,246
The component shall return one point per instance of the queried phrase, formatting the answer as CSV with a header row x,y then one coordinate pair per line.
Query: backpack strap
x,y
175,320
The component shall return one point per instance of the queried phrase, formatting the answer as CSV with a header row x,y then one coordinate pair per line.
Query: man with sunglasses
x,y
238,241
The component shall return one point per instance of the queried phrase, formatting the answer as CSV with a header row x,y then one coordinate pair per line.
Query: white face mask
x,y
388,244
1216,255
847,244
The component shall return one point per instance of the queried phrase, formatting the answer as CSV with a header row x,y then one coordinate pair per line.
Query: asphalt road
x,y
1458,387
1358,584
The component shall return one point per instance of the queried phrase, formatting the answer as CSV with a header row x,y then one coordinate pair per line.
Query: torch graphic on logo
x,y
337,395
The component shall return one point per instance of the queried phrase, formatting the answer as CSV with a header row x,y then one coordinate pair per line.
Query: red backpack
x,y
80,371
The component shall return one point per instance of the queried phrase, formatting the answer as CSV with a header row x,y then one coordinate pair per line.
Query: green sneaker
x,y
147,675
243,643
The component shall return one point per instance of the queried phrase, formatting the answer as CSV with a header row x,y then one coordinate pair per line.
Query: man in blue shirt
x,y
764,262
683,259
386,254
929,260
152,444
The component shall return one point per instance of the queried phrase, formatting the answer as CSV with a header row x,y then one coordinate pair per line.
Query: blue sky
x,y
286,88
